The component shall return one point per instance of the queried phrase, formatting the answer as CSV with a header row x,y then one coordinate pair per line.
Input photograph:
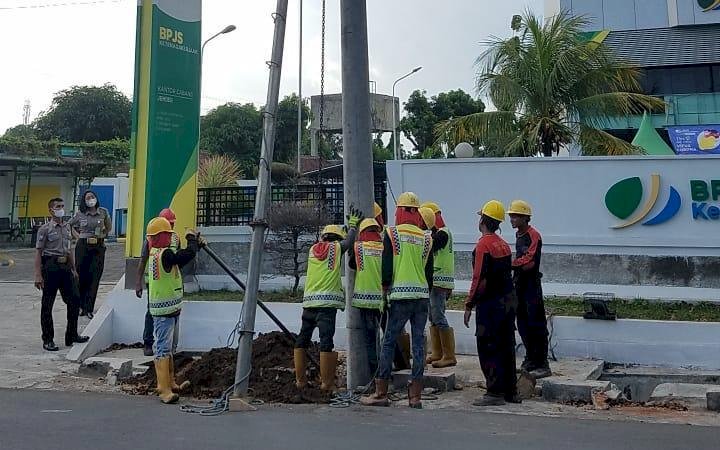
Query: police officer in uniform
x,y
93,223
55,270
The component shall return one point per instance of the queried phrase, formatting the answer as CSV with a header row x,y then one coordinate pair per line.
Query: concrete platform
x,y
441,379
692,395
564,391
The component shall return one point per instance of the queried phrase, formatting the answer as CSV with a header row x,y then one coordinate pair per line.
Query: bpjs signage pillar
x,y
165,116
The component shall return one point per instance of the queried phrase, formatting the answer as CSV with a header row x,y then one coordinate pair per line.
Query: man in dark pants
x,y
491,295
531,320
55,270
141,280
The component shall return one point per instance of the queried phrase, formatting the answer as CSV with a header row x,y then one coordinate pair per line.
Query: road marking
x,y
56,410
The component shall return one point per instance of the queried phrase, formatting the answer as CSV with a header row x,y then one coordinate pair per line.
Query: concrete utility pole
x,y
262,199
357,160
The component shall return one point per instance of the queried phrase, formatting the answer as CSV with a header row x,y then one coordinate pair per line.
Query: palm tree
x,y
551,86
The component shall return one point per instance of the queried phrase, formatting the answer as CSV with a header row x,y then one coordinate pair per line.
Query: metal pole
x,y
357,160
13,200
396,150
262,198
300,104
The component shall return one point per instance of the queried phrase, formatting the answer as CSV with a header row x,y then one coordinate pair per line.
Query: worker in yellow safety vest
x,y
407,269
442,336
322,297
365,257
165,293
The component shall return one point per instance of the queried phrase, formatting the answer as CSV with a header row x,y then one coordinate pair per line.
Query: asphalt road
x,y
33,419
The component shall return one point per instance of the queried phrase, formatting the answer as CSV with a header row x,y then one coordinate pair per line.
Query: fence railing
x,y
233,206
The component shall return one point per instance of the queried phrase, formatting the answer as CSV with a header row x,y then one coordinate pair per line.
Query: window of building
x,y
681,80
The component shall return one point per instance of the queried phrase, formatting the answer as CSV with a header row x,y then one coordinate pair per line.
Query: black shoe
x,y
82,313
77,339
542,371
489,400
513,399
90,315
50,346
148,350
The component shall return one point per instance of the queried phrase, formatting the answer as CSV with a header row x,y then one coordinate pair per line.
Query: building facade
x,y
676,43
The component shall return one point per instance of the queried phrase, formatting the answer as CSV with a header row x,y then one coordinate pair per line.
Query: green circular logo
x,y
624,197
708,5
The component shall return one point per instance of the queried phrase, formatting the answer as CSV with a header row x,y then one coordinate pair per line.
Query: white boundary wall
x,y
568,199
206,325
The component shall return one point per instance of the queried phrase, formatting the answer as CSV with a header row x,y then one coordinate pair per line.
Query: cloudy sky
x,y
65,42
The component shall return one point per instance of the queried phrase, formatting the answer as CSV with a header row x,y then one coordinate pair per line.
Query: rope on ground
x,y
219,405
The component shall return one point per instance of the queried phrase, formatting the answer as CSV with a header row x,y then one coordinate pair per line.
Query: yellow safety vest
x,y
411,248
368,278
444,264
165,289
323,284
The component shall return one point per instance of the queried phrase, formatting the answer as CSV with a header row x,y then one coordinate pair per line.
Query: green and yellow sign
x,y
166,116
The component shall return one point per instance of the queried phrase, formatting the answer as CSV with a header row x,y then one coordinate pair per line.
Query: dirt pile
x,y
272,378
116,347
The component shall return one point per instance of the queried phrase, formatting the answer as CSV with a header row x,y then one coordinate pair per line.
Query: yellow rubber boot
x,y
447,339
164,387
300,368
437,352
178,388
328,366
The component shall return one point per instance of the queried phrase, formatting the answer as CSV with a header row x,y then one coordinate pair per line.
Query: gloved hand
x,y
354,217
191,234
202,242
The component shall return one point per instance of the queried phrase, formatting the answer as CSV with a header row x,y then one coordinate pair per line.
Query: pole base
x,y
240,404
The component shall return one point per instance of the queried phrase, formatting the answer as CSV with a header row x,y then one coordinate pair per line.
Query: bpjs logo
x,y
624,200
174,36
708,5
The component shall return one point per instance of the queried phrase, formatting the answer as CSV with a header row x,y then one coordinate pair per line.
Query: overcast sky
x,y
51,48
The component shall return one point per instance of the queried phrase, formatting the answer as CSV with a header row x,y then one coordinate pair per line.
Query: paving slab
x,y
99,366
441,379
569,390
692,395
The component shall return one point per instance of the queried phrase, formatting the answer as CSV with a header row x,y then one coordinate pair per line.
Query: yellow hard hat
x,y
334,229
377,210
493,209
408,200
432,205
428,217
367,223
158,225
520,207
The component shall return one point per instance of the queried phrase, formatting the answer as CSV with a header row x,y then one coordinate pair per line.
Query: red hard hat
x,y
168,214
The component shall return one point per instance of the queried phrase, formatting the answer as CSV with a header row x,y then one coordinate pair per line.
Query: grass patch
x,y
559,306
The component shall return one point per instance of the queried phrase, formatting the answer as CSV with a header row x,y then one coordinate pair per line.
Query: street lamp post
x,y
394,127
225,30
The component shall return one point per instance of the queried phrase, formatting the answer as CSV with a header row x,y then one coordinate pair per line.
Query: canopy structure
x,y
649,140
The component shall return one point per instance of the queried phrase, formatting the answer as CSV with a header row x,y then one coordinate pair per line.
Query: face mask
x,y
91,202
59,213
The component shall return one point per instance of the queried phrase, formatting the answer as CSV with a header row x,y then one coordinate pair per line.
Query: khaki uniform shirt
x,y
92,225
54,239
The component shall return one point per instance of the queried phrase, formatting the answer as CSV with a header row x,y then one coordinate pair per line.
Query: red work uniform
x,y
491,294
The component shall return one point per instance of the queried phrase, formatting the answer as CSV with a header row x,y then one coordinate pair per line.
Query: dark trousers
x,y
495,334
401,312
531,321
371,326
56,277
90,261
399,360
324,320
148,338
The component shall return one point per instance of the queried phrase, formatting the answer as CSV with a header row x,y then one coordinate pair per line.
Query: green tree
x,y
236,130
286,134
424,114
551,87
86,114
20,132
